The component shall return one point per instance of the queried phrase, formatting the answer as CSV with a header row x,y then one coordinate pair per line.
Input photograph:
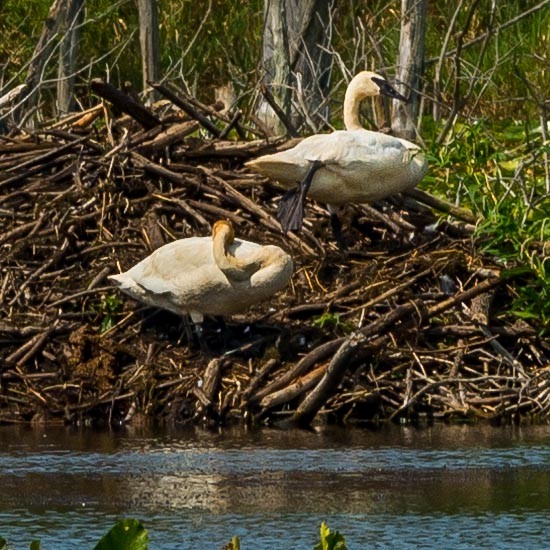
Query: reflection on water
x,y
432,487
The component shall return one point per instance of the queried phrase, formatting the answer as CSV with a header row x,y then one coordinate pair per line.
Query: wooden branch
x,y
125,103
278,111
187,108
332,377
443,206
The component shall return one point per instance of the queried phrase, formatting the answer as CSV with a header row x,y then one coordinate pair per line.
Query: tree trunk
x,y
410,66
149,42
42,53
297,34
68,54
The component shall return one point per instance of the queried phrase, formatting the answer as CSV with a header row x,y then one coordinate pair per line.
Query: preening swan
x,y
352,165
216,275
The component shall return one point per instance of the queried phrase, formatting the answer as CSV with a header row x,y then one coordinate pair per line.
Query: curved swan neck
x,y
351,111
360,87
233,268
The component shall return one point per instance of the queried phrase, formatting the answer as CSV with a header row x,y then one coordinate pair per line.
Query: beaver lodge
x,y
410,323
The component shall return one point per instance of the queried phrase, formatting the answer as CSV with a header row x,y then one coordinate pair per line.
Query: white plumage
x,y
353,165
357,166
217,275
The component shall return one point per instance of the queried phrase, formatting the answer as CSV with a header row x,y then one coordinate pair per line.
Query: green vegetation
x,y
34,545
129,534
330,540
107,309
485,112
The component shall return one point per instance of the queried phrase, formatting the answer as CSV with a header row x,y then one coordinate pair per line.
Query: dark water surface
x,y
398,487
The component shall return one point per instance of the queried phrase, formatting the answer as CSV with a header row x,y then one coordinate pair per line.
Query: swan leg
x,y
336,226
291,207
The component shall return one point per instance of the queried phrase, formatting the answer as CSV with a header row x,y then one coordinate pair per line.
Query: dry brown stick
x,y
57,255
188,207
220,213
20,356
330,381
292,391
318,354
75,138
384,322
125,103
78,120
16,233
186,108
391,292
437,383
232,123
15,375
384,218
205,394
230,149
173,134
219,115
443,206
259,378
40,163
79,294
278,111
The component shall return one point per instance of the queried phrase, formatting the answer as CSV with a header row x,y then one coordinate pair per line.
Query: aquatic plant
x,y
126,534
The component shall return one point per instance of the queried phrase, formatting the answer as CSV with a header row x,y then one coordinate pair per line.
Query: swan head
x,y
224,230
367,84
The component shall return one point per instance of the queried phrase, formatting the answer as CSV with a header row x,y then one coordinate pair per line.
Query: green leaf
x,y
3,544
35,545
127,534
329,540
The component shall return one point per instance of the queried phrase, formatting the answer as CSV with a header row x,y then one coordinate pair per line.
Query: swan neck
x,y
232,267
352,103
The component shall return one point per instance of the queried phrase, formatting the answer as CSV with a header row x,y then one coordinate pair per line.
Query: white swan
x,y
352,165
216,275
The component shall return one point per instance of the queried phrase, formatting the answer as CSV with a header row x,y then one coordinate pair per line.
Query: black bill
x,y
387,90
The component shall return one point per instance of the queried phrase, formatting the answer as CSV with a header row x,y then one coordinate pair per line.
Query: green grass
x,y
499,172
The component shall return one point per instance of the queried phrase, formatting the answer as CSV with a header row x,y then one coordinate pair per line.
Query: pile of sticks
x,y
409,322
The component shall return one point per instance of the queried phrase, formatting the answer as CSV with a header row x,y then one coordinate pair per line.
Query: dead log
x,y
187,108
332,377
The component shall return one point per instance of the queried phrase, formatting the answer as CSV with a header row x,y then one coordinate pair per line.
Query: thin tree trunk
x,y
68,54
297,34
410,66
149,42
41,55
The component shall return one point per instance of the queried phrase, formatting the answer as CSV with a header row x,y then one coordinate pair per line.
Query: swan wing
x,y
340,152
161,271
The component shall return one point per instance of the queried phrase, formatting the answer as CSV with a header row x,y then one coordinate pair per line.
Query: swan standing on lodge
x,y
352,165
216,275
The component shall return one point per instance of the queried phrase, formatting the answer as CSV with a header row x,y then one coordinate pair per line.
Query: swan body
x,y
352,165
217,275
357,166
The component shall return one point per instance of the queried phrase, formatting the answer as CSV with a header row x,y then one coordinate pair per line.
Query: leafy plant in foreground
x,y
34,545
330,540
127,534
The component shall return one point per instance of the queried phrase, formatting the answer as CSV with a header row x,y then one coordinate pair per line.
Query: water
x,y
436,487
